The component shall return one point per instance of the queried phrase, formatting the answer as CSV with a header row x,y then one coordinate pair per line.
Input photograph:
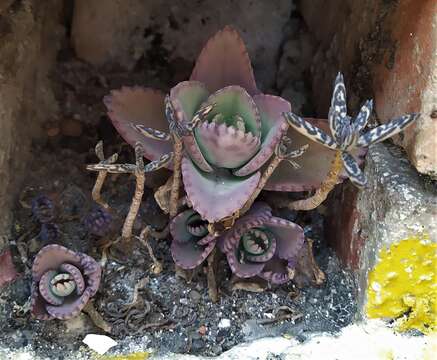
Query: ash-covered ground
x,y
169,314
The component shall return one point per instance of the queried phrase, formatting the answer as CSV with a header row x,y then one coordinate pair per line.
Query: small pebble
x,y
224,323
202,330
195,296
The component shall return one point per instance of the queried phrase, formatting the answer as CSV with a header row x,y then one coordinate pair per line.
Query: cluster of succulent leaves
x,y
63,280
227,149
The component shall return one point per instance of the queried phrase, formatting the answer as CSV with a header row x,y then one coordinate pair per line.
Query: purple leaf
x,y
140,106
224,61
216,195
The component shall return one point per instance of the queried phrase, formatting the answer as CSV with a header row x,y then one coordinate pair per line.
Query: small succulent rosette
x,y
263,245
192,243
228,151
62,282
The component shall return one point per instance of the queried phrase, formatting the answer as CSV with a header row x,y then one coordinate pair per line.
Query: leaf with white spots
x,y
353,170
362,118
310,131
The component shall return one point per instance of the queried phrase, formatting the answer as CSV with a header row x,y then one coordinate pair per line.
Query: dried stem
x,y
136,200
101,177
211,278
162,195
322,192
96,192
177,159
96,318
319,275
144,239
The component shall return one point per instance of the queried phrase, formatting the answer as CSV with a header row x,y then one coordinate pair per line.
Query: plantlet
x,y
62,282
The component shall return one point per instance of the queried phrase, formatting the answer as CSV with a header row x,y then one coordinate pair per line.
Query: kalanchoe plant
x,y
192,242
347,132
49,233
98,221
262,245
43,209
228,128
62,282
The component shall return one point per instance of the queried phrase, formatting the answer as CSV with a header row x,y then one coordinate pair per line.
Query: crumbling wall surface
x,y
396,205
387,49
29,32
120,33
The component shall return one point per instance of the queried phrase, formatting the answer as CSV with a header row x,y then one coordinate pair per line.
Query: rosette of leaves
x,y
192,242
263,245
63,281
229,149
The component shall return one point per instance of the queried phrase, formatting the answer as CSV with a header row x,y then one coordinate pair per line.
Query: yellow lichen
x,y
133,356
402,285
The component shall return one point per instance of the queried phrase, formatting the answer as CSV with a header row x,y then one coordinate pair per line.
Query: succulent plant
x,y
347,132
43,209
62,282
192,242
229,130
98,221
260,244
49,233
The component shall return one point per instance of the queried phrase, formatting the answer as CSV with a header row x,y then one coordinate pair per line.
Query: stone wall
x,y
29,33
387,49
119,33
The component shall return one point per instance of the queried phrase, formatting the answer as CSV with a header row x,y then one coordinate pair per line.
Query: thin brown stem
x,y
134,207
97,189
162,195
319,275
144,239
211,278
126,233
177,159
96,318
322,192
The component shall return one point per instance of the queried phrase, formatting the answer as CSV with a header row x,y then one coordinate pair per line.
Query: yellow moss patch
x,y
132,356
403,285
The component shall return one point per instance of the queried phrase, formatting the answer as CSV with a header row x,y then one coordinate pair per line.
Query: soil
x,y
170,314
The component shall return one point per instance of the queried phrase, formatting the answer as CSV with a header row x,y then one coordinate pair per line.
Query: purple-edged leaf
x,y
233,101
224,61
8,272
52,256
225,146
38,304
245,270
275,271
178,226
139,106
273,127
256,216
70,308
186,97
189,255
315,163
216,195
289,237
